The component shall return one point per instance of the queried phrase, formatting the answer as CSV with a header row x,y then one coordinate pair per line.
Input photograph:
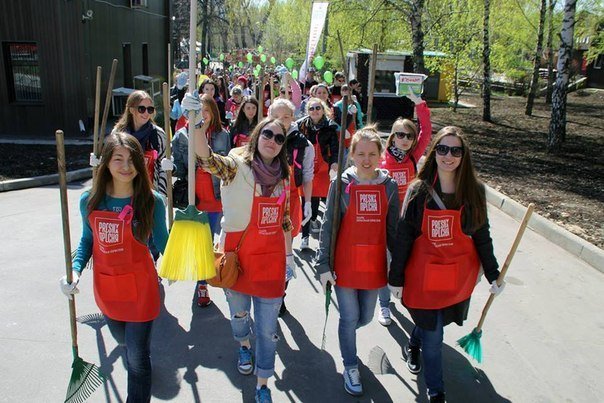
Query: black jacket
x,y
326,133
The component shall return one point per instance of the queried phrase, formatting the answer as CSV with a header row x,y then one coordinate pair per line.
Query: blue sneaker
x,y
263,395
352,382
245,363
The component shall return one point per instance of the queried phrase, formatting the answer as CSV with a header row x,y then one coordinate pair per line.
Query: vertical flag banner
x,y
317,22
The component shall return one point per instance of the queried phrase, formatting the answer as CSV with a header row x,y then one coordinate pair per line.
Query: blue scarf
x,y
145,135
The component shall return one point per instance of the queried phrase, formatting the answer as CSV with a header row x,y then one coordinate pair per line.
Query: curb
x,y
565,239
24,183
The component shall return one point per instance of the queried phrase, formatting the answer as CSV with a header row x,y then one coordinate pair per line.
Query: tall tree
x,y
417,34
536,61
550,52
557,126
486,64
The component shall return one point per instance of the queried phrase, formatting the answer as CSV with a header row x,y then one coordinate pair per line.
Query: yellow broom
x,y
189,254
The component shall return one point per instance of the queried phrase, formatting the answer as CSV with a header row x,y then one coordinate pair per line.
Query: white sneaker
x,y
304,244
352,382
384,317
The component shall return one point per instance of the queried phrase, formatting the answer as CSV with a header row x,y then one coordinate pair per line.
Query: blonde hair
x,y
368,133
407,125
281,103
126,121
326,109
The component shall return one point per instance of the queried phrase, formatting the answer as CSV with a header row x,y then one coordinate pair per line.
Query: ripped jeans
x,y
266,311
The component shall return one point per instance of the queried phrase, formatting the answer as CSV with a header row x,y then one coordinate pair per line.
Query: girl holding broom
x,y
442,240
369,211
404,147
255,200
119,215
207,187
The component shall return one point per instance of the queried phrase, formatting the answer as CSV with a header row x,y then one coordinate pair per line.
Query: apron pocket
x,y
369,258
265,267
441,277
117,288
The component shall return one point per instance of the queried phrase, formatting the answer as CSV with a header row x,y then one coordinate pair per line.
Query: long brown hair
x,y
251,149
143,201
242,119
468,189
210,103
126,121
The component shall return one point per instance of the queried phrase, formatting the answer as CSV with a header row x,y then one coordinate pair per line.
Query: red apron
x,y
262,252
402,172
352,129
320,182
444,264
125,280
150,158
241,139
361,244
295,208
204,191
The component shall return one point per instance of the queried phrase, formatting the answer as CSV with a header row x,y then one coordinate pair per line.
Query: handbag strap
x,y
241,239
436,198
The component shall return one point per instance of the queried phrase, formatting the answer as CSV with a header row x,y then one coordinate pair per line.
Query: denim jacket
x,y
220,142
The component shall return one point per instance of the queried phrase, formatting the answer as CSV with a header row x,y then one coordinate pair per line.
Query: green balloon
x,y
230,68
221,56
240,64
256,73
295,74
263,58
328,77
258,67
249,57
319,62
205,60
260,49
273,60
289,63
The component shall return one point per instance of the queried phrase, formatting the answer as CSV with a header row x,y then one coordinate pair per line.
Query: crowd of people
x,y
413,225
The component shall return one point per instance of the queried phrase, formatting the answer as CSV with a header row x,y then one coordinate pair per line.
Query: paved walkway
x,y
542,340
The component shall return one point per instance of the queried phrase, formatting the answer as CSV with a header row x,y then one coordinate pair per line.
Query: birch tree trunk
x,y
557,125
550,52
536,61
417,35
486,62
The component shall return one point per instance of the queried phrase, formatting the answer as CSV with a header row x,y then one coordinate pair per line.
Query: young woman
x,y
207,187
234,103
442,240
322,134
210,88
246,120
137,120
290,90
404,147
301,160
369,210
256,217
322,92
119,214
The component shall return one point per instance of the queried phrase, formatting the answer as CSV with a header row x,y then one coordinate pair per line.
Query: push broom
x,y
336,212
189,254
85,377
471,342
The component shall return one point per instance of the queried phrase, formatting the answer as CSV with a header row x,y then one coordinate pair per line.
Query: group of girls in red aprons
x,y
119,215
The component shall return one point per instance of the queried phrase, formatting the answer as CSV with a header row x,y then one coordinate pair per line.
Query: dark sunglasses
x,y
283,92
150,109
442,149
314,108
403,135
268,134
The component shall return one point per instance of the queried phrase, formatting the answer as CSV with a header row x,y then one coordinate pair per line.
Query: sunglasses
x,y
315,108
403,135
141,109
268,134
283,92
442,149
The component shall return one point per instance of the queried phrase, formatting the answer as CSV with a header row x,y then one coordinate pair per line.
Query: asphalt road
x,y
542,341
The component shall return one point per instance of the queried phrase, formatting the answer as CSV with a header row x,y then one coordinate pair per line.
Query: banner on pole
x,y
317,22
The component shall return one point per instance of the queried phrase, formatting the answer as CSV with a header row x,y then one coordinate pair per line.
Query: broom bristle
x,y
471,345
85,378
189,254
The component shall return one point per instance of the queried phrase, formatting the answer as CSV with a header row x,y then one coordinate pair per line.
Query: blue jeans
x,y
356,310
136,338
431,343
384,297
266,311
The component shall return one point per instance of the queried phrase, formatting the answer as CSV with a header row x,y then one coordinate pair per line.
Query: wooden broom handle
x,y
107,104
66,235
506,265
97,107
166,101
192,89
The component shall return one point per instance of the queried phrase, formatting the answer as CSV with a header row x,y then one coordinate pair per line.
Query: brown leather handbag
x,y
227,267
